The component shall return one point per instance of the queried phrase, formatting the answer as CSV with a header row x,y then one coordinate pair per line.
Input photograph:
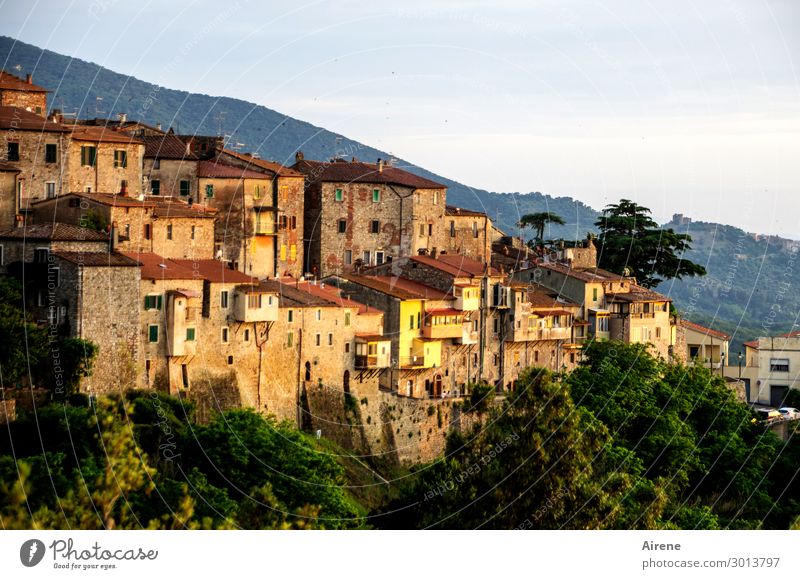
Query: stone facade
x,y
9,204
465,232
117,166
22,93
171,177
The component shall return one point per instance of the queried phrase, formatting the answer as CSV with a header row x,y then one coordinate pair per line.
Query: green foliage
x,y
630,241
95,221
538,221
481,397
24,344
75,360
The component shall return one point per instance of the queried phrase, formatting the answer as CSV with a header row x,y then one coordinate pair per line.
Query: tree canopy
x,y
538,222
631,242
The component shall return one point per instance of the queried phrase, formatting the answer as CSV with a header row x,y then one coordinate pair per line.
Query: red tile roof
x,y
9,81
53,232
21,120
399,287
215,169
638,294
596,275
96,258
263,164
341,171
102,135
214,271
331,293
453,210
161,206
166,146
156,267
703,330
456,265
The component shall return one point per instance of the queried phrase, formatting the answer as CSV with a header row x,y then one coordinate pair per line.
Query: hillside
x,y
747,278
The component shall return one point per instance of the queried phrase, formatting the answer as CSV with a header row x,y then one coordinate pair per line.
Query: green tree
x,y
631,242
538,222
23,344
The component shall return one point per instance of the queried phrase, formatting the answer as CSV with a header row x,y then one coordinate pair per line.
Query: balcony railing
x,y
374,361
266,229
412,361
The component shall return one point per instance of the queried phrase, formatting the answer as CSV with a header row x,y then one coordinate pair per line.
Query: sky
x,y
687,107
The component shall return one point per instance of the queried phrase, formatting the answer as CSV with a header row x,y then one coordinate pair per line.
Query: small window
x,y
209,191
452,228
290,316
13,152
147,231
152,302
342,225
254,301
50,190
330,339
153,333
376,195
223,299
430,229
88,156
155,187
230,360
347,318
375,226
319,315
120,159
169,231
367,257
184,187
475,229
225,335
338,195
289,339
348,257
247,335
41,254
192,233
319,339
190,332
157,164
50,153
347,347
779,365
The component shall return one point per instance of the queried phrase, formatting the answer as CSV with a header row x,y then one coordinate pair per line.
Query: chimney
x,y
123,117
380,165
158,126
188,149
113,237
29,79
298,156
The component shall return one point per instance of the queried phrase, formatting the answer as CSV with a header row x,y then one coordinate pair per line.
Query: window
x,y
375,226
658,332
411,322
294,222
169,231
247,335
367,257
123,186
338,195
190,332
147,231
13,151
88,156
283,222
184,187
376,195
157,164
475,229
319,315
347,318
330,339
435,197
342,225
379,257
430,229
779,364
602,324
230,360
209,191
152,331
155,187
422,230
50,189
257,192
319,339
452,228
41,254
496,326
50,153
120,159
254,301
192,233
289,339
419,319
348,257
223,299
347,347
152,302
594,294
225,335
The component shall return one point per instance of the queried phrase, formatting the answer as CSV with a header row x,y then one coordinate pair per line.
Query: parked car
x,y
768,414
789,413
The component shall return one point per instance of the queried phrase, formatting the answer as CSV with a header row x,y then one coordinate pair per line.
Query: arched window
x,y
346,381
308,371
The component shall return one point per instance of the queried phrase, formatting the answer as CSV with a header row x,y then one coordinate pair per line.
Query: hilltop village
x,y
345,296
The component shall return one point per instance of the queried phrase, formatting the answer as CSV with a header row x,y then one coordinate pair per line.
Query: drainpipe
x,y
400,222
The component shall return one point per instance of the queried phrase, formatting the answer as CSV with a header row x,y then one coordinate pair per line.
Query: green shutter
x,y
154,333
190,334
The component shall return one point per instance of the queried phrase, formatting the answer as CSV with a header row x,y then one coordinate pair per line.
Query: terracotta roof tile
x,y
341,171
96,258
263,164
102,135
215,169
22,120
456,265
53,232
214,271
166,146
453,210
10,81
703,330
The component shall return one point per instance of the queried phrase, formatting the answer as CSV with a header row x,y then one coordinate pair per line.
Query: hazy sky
x,y
690,107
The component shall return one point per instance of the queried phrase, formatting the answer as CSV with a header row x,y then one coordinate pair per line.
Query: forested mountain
x,y
750,283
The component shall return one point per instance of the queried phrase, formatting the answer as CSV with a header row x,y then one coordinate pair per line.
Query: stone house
x,y
147,224
288,200
170,168
360,214
36,147
22,93
466,232
769,368
104,160
703,346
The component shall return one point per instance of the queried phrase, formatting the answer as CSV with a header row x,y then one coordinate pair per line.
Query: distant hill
x,y
745,275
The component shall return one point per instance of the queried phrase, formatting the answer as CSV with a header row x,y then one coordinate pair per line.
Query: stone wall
x,y
8,411
104,177
465,235
290,239
191,237
35,102
169,176
35,173
8,199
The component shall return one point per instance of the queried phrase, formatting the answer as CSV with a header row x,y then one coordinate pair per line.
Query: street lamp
x,y
722,364
739,358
